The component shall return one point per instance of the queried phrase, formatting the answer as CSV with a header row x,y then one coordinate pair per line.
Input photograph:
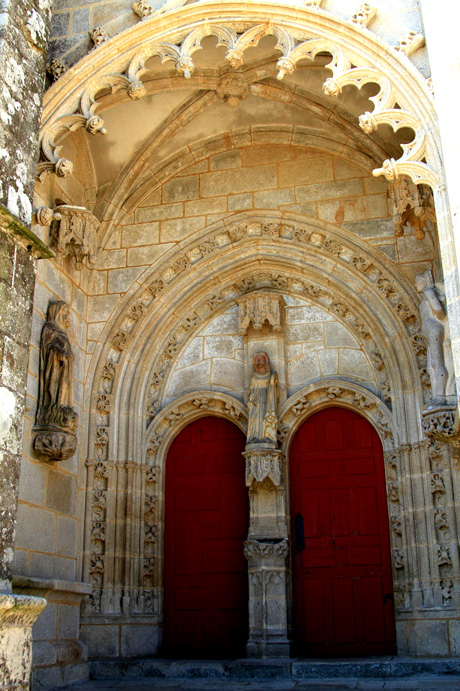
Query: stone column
x,y
261,321
268,624
266,551
23,43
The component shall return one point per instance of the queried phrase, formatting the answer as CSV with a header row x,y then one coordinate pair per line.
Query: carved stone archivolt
x,y
56,421
333,391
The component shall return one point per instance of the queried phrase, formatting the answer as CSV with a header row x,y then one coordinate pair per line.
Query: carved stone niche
x,y
56,421
258,308
439,423
268,623
74,236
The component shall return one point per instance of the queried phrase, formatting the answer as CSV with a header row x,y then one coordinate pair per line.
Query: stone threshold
x,y
274,669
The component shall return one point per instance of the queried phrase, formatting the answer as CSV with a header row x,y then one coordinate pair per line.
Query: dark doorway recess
x,y
343,590
206,523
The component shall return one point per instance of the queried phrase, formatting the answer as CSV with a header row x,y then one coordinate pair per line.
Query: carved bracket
x,y
73,236
263,464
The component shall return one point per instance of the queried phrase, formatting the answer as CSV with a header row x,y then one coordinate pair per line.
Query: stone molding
x,y
369,61
329,392
438,423
141,597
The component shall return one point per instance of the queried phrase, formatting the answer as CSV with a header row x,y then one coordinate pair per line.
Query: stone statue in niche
x,y
433,316
262,405
56,420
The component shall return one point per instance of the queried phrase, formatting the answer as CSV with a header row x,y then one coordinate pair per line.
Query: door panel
x,y
206,523
338,485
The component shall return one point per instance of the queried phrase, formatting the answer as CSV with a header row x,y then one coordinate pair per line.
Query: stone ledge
x,y
30,585
19,610
275,669
24,236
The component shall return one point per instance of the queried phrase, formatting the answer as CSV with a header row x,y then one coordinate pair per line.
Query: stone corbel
x,y
439,424
73,236
264,464
411,204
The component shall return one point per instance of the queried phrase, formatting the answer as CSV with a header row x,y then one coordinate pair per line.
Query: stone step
x,y
277,669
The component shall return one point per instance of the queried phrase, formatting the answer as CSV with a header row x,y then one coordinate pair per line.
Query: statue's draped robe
x,y
262,408
56,368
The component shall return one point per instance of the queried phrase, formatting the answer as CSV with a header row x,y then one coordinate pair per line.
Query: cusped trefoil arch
x,y
358,57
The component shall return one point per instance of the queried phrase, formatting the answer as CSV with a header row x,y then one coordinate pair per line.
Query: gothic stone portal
x,y
343,591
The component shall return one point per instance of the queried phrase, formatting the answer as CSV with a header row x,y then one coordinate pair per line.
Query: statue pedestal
x,y
53,443
17,615
266,551
268,626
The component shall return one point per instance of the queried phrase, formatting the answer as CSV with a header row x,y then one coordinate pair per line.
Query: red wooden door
x,y
206,523
342,579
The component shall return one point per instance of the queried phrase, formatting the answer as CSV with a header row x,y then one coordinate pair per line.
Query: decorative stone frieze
x,y
232,89
258,308
410,42
55,421
264,464
439,423
364,15
74,236
56,68
142,9
98,36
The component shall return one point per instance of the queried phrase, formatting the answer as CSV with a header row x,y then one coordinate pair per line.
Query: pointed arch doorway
x,y
206,523
342,580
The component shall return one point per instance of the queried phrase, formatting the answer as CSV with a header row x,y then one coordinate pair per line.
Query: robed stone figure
x,y
262,404
55,395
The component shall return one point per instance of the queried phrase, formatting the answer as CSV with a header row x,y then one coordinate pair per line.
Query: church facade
x,y
230,333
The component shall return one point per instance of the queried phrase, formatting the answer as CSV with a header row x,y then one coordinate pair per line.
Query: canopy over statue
x,y
262,404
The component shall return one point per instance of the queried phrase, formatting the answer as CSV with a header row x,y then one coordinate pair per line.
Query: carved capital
x,y
439,423
258,308
267,553
264,464
74,236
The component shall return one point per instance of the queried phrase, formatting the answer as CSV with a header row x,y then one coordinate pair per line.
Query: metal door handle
x,y
299,532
